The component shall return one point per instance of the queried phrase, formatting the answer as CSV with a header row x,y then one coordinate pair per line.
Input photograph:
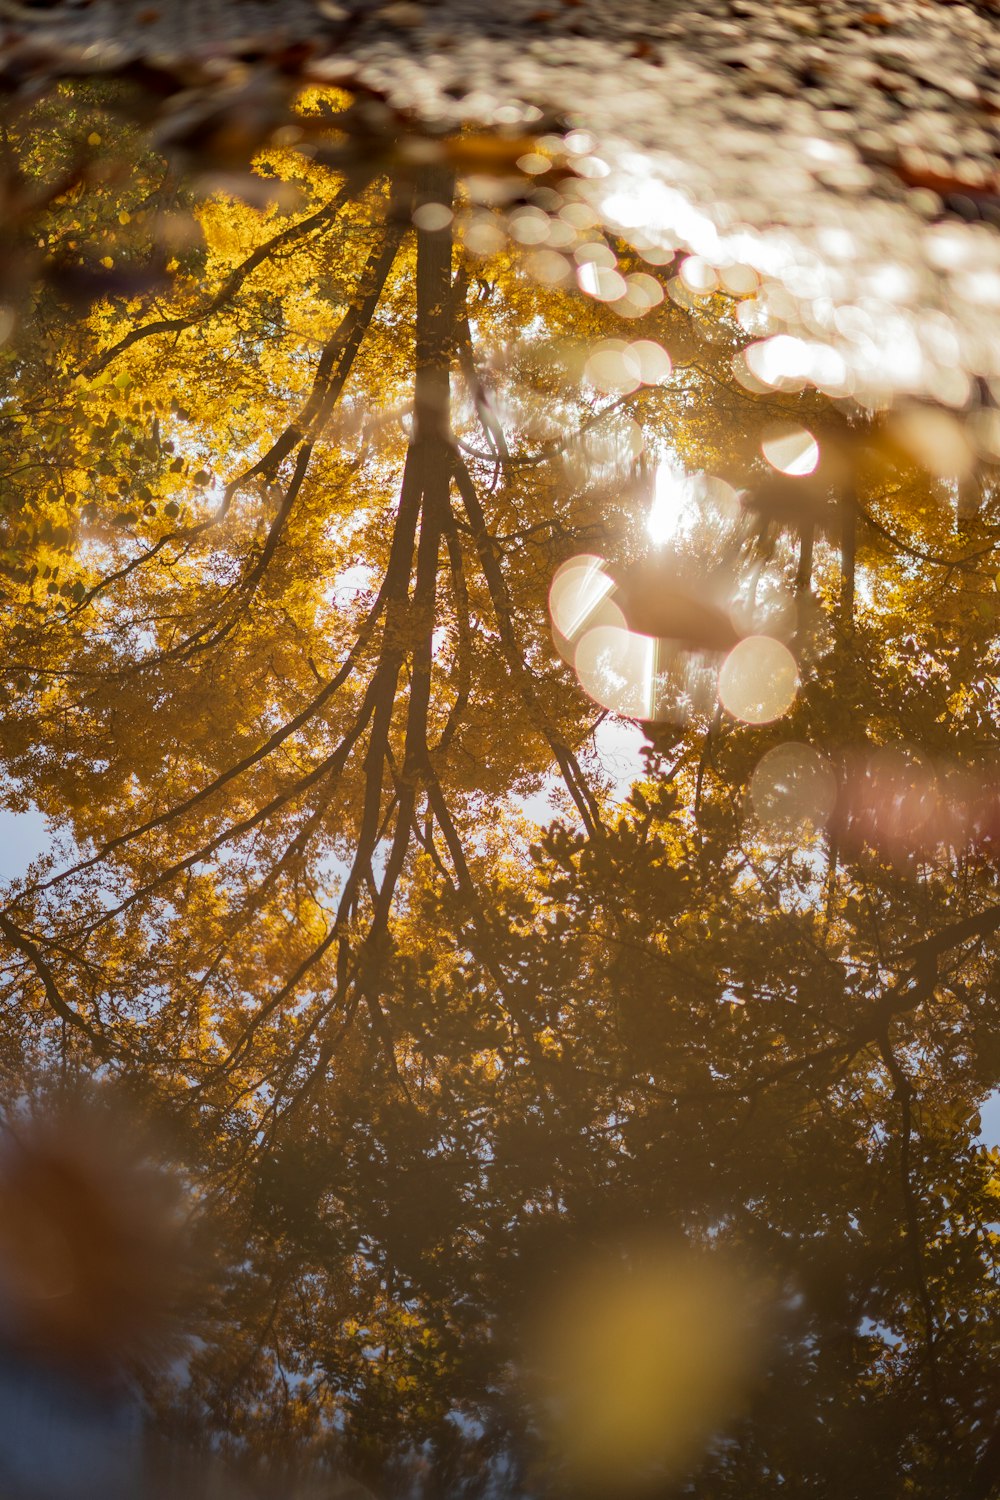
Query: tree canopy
x,y
554,1134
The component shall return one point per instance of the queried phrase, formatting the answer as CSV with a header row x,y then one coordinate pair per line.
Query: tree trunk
x,y
803,573
968,501
848,556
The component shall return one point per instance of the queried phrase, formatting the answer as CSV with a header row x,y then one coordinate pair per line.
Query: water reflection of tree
x,y
289,714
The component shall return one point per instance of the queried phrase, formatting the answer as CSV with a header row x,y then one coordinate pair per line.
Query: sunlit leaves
x,y
299,731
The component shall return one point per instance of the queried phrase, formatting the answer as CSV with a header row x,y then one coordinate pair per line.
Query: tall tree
x,y
279,534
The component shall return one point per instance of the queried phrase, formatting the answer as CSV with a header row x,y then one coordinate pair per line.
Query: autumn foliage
x,y
438,1017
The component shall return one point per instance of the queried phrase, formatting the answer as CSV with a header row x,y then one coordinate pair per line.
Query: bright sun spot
x,y
673,496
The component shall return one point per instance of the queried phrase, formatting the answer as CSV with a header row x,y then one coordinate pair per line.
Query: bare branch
x,y
29,950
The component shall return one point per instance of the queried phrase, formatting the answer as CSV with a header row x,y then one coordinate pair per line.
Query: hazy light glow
x,y
653,361
673,502
576,591
935,439
846,321
643,292
637,1364
601,282
612,369
699,276
758,680
780,358
617,668
617,368
792,450
793,788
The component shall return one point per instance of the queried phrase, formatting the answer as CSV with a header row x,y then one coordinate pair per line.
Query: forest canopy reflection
x,y
300,468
